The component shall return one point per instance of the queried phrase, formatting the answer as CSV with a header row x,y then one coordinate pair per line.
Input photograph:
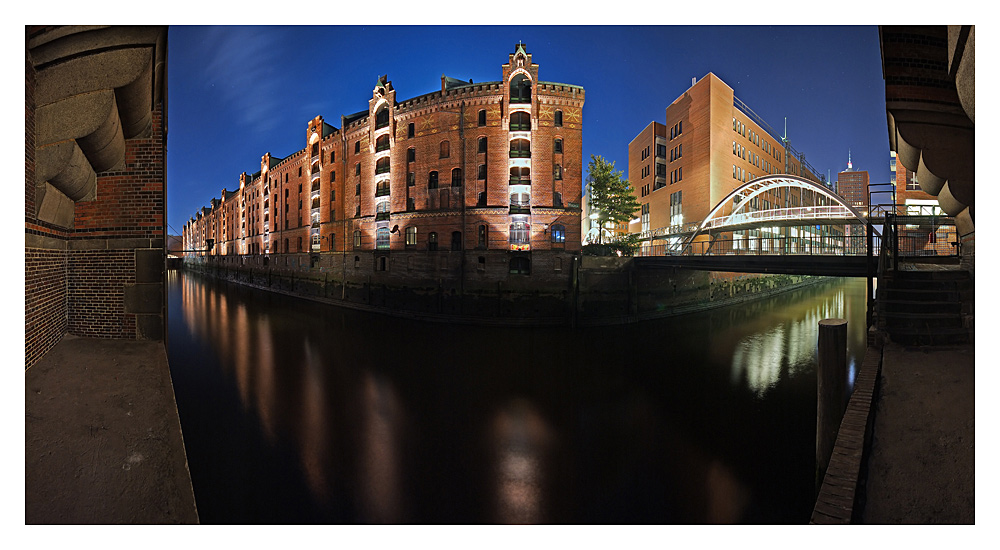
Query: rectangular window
x,y
482,117
357,169
357,147
482,145
411,236
333,177
411,154
482,172
333,156
411,179
409,130
557,146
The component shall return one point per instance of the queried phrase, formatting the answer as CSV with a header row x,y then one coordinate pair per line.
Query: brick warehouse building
x,y
709,144
477,182
95,172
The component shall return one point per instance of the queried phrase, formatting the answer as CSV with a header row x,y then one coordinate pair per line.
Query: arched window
x,y
520,89
382,165
432,241
520,121
520,148
558,118
382,143
456,177
482,117
315,149
432,180
382,117
445,149
482,145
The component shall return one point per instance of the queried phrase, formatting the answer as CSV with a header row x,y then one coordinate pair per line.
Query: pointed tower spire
x,y
849,160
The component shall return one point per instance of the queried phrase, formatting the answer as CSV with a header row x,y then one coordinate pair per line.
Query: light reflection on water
x,y
705,418
761,358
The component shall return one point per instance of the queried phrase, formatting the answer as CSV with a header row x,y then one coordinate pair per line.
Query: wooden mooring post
x,y
831,389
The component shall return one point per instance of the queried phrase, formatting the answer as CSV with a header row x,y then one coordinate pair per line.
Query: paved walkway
x,y
103,438
922,464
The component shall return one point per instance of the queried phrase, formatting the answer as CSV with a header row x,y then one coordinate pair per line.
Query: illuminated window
x,y
357,239
481,243
411,235
558,233
382,238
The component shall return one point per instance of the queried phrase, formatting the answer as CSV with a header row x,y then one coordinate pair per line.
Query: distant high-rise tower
x,y
853,185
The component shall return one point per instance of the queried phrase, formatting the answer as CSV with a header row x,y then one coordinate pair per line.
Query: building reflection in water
x,y
265,384
380,461
521,439
761,358
315,432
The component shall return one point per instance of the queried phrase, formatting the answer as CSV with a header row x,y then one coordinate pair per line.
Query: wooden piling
x,y
831,388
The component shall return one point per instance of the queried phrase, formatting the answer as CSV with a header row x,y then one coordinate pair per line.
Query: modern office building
x,y
492,170
709,144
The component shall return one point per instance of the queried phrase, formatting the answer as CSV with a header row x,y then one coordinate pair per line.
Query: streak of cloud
x,y
238,71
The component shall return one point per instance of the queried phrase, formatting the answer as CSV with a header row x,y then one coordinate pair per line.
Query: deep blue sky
x,y
237,92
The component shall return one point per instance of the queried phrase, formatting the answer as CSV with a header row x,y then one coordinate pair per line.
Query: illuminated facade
x,y
480,168
710,144
852,185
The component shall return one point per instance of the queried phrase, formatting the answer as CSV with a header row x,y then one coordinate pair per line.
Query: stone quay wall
x,y
561,290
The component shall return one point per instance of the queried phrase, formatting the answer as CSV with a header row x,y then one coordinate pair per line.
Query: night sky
x,y
237,92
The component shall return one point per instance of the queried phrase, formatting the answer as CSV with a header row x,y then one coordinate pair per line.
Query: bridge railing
x,y
846,245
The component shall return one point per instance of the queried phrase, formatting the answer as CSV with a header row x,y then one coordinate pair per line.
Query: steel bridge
x,y
785,239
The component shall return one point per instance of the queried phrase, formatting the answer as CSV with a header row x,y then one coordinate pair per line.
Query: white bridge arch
x,y
741,214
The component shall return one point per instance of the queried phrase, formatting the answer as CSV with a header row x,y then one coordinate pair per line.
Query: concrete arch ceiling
x,y
95,87
930,106
763,184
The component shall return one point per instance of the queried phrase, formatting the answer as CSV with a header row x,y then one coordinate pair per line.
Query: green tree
x,y
610,195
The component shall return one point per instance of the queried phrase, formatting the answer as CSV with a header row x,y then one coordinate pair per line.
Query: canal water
x,y
299,412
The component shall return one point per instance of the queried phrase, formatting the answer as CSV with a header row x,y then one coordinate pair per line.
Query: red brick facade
x,y
94,266
456,169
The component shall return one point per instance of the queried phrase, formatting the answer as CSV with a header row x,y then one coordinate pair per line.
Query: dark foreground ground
x,y
102,441
922,468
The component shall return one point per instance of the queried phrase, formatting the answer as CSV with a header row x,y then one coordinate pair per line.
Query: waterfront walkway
x,y
103,438
922,466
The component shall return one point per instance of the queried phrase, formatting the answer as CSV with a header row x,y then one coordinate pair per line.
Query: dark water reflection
x,y
296,412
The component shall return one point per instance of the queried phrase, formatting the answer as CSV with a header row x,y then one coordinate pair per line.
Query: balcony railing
x,y
380,148
520,154
382,170
520,209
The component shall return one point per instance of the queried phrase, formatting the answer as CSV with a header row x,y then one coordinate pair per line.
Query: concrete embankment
x,y
592,291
